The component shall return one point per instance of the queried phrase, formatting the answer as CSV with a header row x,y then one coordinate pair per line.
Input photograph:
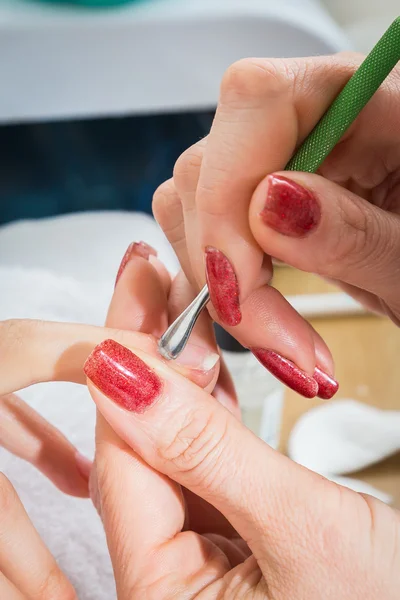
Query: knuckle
x,y
166,201
8,496
167,210
197,447
251,78
55,585
187,168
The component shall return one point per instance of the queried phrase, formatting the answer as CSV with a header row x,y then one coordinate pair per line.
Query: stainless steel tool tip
x,y
174,340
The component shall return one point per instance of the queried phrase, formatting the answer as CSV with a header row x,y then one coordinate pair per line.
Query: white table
x,y
159,55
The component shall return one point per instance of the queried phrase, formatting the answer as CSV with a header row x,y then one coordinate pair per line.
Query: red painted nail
x,y
327,385
135,249
287,372
223,286
290,208
122,376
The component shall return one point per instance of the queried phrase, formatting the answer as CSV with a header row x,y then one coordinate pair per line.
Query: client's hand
x,y
195,506
32,352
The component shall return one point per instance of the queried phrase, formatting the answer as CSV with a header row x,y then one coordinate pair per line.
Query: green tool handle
x,y
351,100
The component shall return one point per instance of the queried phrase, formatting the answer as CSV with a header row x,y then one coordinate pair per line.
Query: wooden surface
x,y
366,350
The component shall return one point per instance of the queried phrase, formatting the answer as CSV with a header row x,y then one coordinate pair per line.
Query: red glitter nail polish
x,y
290,208
287,372
135,249
327,385
223,286
122,376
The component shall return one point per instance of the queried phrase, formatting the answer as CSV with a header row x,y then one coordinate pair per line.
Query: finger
x,y
289,337
183,433
24,559
26,434
57,351
202,337
142,302
8,591
266,108
260,100
317,226
168,212
285,344
139,302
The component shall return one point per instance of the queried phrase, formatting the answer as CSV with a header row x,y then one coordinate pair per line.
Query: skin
x,y
188,511
266,108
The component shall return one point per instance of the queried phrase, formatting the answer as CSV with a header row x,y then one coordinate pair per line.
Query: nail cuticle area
x,y
289,208
123,377
223,286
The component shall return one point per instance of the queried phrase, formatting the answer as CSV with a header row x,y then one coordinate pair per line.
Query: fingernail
x,y
197,358
289,208
135,249
84,465
223,286
287,372
122,376
327,385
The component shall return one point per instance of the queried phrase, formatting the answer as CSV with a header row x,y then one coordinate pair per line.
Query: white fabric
x,y
63,270
345,436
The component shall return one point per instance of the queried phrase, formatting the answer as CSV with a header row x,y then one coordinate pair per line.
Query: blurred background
x,y
97,103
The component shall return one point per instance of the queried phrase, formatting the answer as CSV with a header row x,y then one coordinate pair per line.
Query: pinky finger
x,y
24,559
26,434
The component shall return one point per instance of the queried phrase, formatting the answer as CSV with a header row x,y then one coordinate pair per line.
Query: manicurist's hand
x,y
229,206
193,504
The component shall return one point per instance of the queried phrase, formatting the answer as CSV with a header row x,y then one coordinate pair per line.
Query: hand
x,y
195,506
55,352
277,531
222,198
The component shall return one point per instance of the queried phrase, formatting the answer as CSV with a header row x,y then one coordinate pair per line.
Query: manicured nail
x,y
327,385
135,249
287,372
122,376
223,286
84,465
197,358
290,208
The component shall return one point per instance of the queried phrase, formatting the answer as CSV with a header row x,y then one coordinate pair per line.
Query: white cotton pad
x,y
344,436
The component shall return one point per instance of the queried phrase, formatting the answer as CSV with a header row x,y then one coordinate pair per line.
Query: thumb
x,y
320,227
184,433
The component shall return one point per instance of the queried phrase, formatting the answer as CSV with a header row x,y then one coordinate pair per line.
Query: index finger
x,y
266,108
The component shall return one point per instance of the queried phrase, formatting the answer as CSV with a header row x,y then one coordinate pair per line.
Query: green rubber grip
x,y
349,103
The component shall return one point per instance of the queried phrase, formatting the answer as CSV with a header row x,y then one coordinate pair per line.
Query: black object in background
x,y
49,169
226,341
